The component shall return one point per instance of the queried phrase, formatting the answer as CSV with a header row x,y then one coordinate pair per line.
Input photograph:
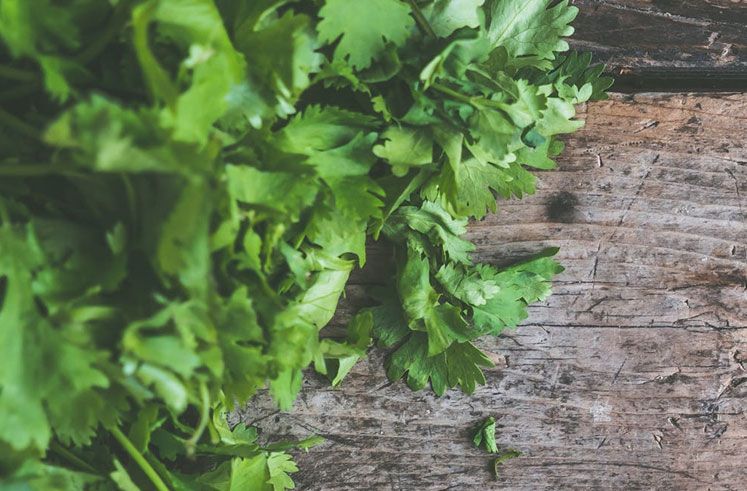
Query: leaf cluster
x,y
186,186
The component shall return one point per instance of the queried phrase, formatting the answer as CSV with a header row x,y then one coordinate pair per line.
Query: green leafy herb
x,y
187,185
485,435
363,28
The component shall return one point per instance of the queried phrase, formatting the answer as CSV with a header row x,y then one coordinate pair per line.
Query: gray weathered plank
x,y
664,33
632,376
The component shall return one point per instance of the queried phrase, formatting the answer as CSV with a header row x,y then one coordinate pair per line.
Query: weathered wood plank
x,y
632,376
667,43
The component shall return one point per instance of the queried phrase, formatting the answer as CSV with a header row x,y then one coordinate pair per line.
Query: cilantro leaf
x,y
430,226
39,359
470,192
337,144
469,287
186,187
460,365
363,28
446,16
122,479
281,58
389,323
48,33
273,191
338,358
530,27
575,69
485,435
35,475
264,471
213,71
520,285
279,466
405,148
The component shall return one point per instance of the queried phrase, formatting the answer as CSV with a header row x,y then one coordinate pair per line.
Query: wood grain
x,y
663,43
632,376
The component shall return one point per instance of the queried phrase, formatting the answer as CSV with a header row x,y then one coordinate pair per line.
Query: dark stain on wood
x,y
561,207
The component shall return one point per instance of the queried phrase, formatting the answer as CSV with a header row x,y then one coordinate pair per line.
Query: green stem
x,y
204,417
508,455
299,240
16,74
476,102
19,92
131,199
421,20
453,93
72,458
149,471
117,20
4,215
157,465
35,170
16,123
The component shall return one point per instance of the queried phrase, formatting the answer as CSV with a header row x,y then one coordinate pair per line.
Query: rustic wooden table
x,y
633,375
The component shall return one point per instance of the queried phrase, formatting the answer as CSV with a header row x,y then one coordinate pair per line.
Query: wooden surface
x,y
632,376
660,44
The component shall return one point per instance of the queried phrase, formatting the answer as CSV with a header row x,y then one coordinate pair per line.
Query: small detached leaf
x,y
485,435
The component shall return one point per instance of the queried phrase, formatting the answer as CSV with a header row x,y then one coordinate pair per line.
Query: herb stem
x,y
129,190
72,458
34,170
117,20
476,102
17,74
453,93
4,215
158,466
19,91
204,416
421,20
149,471
14,122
